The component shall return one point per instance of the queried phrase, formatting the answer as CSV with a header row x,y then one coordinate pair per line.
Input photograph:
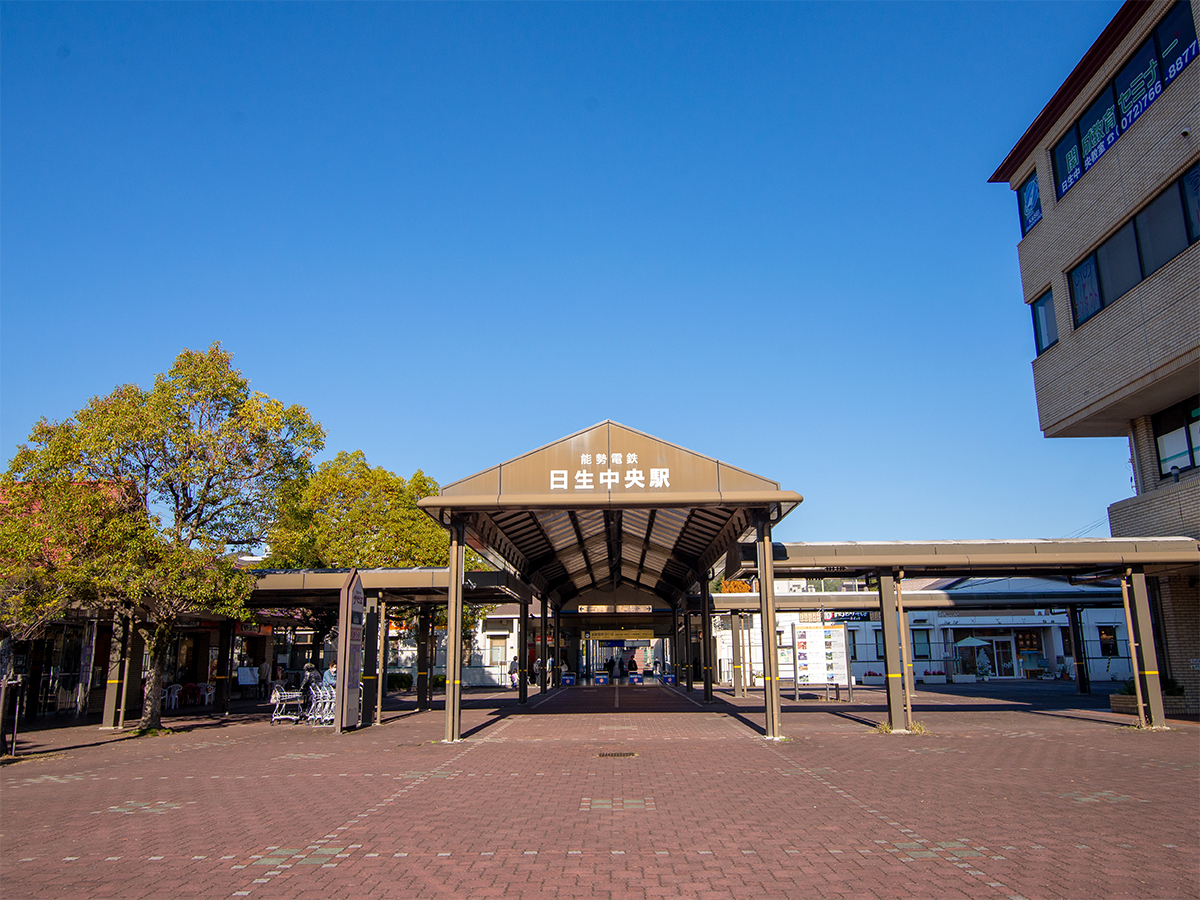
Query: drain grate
x,y
602,755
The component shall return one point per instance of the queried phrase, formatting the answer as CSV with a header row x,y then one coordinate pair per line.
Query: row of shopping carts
x,y
289,706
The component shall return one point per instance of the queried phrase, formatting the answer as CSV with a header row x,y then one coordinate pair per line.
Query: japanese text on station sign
x,y
631,476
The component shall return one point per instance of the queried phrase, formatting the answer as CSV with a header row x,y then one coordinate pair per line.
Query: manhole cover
x,y
615,754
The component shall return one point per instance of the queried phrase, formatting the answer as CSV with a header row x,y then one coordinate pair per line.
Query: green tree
x,y
350,513
205,457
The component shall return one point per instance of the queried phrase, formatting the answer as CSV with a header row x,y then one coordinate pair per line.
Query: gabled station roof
x,y
610,507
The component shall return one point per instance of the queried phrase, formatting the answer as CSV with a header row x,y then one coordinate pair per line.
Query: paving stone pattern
x,y
630,792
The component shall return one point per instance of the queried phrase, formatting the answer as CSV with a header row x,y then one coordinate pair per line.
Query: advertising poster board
x,y
350,638
820,654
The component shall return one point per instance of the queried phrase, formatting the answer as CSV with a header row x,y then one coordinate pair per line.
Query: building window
x,y
920,643
1161,231
1141,247
1067,168
1085,291
1029,199
1190,182
1176,37
1108,639
852,642
497,651
1068,644
1177,436
1117,260
880,652
1138,84
1045,327
1122,101
1098,128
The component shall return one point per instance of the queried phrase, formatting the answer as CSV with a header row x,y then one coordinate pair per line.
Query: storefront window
x,y
1108,640
920,643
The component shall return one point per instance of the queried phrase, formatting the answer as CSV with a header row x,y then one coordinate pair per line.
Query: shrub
x,y
399,681
439,682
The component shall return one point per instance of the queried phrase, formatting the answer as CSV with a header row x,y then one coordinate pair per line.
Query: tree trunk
x,y
157,642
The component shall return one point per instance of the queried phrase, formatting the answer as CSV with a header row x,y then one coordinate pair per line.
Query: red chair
x,y
189,695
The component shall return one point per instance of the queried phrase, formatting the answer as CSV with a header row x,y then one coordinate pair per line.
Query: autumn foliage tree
x,y
205,458
350,513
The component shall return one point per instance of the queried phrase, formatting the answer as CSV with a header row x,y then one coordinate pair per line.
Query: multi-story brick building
x,y
1108,193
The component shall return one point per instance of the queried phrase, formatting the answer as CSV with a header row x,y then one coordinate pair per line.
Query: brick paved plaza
x,y
1019,791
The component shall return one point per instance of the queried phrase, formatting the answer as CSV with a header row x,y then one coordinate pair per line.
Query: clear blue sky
x,y
458,232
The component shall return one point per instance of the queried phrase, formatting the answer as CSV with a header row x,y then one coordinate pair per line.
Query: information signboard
x,y
821,654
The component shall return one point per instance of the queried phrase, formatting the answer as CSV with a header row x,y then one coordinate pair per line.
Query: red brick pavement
x,y
1003,798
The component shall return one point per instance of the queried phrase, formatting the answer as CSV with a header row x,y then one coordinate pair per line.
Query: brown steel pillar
x,y
739,684
906,666
544,652
383,658
221,685
558,649
523,654
1145,639
687,644
706,649
424,656
454,642
674,642
1083,681
370,662
891,647
766,599
118,651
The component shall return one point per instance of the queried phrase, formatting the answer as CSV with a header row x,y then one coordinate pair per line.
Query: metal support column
x,y
118,651
454,636
1083,682
424,661
891,651
739,682
687,644
383,658
766,599
706,649
558,647
370,662
543,653
674,642
1145,639
523,654
224,652
906,666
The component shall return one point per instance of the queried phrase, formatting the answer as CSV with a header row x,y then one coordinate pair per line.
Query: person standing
x,y
264,677
330,679
514,671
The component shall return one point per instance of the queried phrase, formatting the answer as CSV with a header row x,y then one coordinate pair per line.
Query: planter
x,y
1127,703
873,679
964,679
934,679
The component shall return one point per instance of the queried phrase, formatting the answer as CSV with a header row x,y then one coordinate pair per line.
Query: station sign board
x,y
625,634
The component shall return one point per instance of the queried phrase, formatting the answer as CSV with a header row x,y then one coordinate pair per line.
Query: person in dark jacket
x,y
312,678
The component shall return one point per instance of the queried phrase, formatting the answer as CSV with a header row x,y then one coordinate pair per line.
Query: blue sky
x,y
458,232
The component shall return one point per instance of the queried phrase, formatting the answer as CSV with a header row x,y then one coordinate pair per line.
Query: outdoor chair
x,y
171,696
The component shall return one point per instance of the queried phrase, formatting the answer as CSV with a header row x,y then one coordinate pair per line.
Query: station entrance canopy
x,y
604,519
609,509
